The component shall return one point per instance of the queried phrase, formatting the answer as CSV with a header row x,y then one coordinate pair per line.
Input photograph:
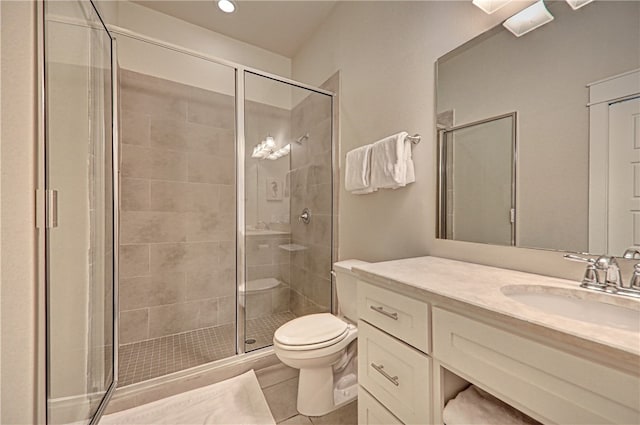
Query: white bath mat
x,y
237,400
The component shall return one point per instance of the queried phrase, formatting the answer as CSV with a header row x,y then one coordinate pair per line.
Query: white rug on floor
x,y
237,400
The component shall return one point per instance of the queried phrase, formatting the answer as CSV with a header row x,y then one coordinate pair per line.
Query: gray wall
x,y
21,351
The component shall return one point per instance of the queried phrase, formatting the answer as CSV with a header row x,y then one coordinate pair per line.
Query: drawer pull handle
x,y
380,369
381,310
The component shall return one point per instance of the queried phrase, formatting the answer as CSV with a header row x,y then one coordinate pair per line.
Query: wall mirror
x,y
539,135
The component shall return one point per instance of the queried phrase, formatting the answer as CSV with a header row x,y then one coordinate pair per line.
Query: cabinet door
x,y
395,374
371,412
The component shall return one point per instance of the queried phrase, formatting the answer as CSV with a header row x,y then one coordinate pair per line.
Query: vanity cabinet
x,y
372,412
416,354
394,369
551,384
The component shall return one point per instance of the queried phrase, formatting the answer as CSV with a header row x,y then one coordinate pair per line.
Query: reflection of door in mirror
x,y
614,163
477,190
624,175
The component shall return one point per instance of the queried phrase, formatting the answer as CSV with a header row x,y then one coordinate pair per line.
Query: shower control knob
x,y
305,217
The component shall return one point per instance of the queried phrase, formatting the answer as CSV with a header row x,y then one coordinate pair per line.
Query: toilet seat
x,y
311,332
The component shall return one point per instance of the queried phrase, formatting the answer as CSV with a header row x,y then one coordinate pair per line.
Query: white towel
x,y
358,170
391,163
474,406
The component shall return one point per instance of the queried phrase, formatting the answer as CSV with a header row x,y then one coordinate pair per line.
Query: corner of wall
x,y
21,400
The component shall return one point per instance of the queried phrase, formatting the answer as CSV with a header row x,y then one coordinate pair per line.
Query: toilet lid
x,y
311,329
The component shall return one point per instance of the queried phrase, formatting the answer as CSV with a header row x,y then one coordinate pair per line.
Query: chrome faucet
x,y
603,274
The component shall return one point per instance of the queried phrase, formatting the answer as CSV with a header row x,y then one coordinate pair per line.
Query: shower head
x,y
301,139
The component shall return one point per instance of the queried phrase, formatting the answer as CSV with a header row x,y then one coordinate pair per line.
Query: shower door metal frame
x,y
441,216
241,72
44,214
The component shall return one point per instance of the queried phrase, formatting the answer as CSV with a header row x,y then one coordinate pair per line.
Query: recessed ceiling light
x,y
577,4
226,6
528,19
490,6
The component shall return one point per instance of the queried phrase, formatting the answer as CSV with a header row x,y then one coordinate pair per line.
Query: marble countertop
x,y
477,289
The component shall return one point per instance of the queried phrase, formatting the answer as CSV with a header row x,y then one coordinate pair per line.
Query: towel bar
x,y
415,139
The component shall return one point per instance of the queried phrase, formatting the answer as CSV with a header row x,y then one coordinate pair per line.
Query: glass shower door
x,y
477,181
80,211
288,206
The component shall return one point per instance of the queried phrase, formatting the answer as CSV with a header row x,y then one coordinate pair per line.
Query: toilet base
x,y
315,391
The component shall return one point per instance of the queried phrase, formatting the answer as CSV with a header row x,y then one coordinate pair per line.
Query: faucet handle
x,y
635,278
591,276
613,276
579,259
631,253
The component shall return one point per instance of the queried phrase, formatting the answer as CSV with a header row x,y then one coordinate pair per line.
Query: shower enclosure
x,y
218,162
225,227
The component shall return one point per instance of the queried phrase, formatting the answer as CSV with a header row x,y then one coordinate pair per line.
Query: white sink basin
x,y
579,305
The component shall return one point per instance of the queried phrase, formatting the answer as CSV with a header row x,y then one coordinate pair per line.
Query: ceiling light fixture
x,y
490,6
227,6
577,4
528,19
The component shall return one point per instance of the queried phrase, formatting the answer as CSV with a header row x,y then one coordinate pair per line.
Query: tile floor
x,y
280,388
149,359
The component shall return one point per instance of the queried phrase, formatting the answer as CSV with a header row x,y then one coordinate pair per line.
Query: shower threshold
x,y
141,361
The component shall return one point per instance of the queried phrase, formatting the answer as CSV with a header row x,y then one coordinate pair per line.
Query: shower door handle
x,y
51,208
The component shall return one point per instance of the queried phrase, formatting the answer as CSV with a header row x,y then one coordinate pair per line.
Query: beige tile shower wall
x,y
311,188
177,230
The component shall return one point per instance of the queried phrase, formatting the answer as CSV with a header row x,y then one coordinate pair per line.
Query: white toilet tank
x,y
347,288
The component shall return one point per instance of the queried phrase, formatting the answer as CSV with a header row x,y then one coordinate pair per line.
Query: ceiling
x,y
279,26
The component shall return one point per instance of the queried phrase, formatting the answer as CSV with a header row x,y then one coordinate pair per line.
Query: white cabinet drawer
x,y
395,374
371,412
547,383
396,314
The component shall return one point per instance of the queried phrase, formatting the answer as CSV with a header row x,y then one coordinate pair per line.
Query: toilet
x,y
317,343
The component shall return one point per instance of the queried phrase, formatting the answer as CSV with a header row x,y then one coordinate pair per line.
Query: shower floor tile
x,y
262,329
149,359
